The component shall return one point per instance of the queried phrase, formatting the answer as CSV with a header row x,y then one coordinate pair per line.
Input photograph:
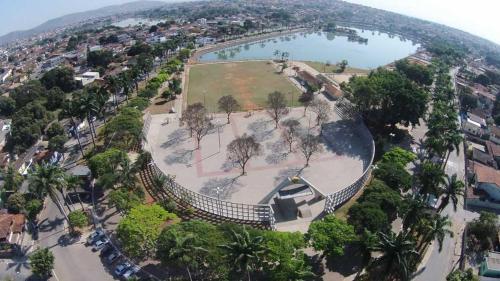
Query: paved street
x,y
74,261
437,265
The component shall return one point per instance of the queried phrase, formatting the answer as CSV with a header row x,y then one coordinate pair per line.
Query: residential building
x,y
495,134
472,127
487,179
87,77
11,227
308,79
490,267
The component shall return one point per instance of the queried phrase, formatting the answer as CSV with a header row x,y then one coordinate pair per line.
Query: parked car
x,y
99,244
106,250
96,235
121,268
112,257
131,272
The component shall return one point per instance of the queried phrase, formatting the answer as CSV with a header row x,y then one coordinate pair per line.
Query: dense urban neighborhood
x,y
216,140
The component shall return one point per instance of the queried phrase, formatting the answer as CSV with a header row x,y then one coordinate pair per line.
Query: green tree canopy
x,y
415,72
42,262
61,77
106,162
139,230
330,235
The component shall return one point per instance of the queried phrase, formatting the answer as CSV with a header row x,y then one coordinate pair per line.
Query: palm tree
x,y
114,86
245,251
70,109
89,108
452,140
126,174
451,191
184,252
398,254
431,178
48,180
413,209
72,182
437,228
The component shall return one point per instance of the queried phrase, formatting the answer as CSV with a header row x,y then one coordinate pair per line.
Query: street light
x,y
218,190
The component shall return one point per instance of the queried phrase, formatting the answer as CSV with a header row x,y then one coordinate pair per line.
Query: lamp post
x,y
218,190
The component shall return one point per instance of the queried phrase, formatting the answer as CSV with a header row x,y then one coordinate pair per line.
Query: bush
x,y
78,219
33,208
16,202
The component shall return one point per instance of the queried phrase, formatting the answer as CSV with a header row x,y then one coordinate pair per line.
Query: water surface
x,y
381,49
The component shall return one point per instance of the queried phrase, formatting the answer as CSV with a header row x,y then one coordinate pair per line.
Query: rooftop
x,y
486,174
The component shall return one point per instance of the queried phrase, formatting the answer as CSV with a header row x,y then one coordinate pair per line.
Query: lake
x,y
381,49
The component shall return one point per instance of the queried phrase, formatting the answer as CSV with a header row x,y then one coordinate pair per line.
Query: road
x,y
437,265
73,260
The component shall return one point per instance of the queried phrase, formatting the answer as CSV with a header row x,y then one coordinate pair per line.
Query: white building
x,y
87,77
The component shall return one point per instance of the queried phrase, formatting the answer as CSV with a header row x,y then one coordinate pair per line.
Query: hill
x,y
80,17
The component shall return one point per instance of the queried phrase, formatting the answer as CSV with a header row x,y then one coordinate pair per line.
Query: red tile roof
x,y
486,174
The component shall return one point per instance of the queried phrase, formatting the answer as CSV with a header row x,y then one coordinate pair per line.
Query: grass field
x,y
323,68
248,82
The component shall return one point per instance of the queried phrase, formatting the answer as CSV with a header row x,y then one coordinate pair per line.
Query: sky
x,y
25,14
479,17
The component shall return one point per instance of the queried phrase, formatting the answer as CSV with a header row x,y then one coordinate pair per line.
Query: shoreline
x,y
219,46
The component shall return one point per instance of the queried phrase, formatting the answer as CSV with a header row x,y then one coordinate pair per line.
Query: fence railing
x,y
347,111
237,212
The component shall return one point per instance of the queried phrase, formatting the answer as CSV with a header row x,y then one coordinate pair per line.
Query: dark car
x,y
112,257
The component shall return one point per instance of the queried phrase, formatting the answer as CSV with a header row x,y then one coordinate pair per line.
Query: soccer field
x,y
248,82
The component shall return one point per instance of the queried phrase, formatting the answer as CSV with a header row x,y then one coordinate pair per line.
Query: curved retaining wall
x,y
262,213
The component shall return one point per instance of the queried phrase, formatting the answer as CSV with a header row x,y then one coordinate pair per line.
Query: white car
x,y
131,272
100,244
121,268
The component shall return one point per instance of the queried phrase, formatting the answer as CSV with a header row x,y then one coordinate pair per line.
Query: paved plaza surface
x,y
346,154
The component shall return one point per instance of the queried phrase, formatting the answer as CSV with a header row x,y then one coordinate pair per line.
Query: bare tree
x,y
309,145
228,104
322,109
290,132
196,119
305,99
277,106
241,149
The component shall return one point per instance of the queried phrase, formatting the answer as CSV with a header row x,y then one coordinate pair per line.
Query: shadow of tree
x,y
227,186
47,225
347,264
278,152
341,138
180,156
261,129
176,138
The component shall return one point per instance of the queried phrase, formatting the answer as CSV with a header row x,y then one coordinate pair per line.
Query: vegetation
x,y
77,219
330,235
139,230
42,263
242,149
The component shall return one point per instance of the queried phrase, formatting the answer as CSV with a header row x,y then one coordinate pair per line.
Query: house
x,y
483,158
490,267
87,77
308,79
11,227
494,152
477,119
495,134
472,127
333,91
487,179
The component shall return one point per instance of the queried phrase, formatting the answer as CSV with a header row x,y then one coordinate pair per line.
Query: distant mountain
x,y
82,16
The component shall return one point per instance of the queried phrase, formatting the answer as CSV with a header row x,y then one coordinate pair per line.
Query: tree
x,y
12,179
16,203
139,230
451,191
430,179
461,275
106,162
388,199
342,66
99,58
399,156
7,106
196,119
305,99
330,235
386,98
47,179
322,109
412,211
228,104
309,145
483,231
60,77
33,208
398,254
242,149
394,175
437,228
276,103
123,200
468,102
245,250
55,129
77,219
415,72
369,216
290,132
42,263
57,143
124,130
